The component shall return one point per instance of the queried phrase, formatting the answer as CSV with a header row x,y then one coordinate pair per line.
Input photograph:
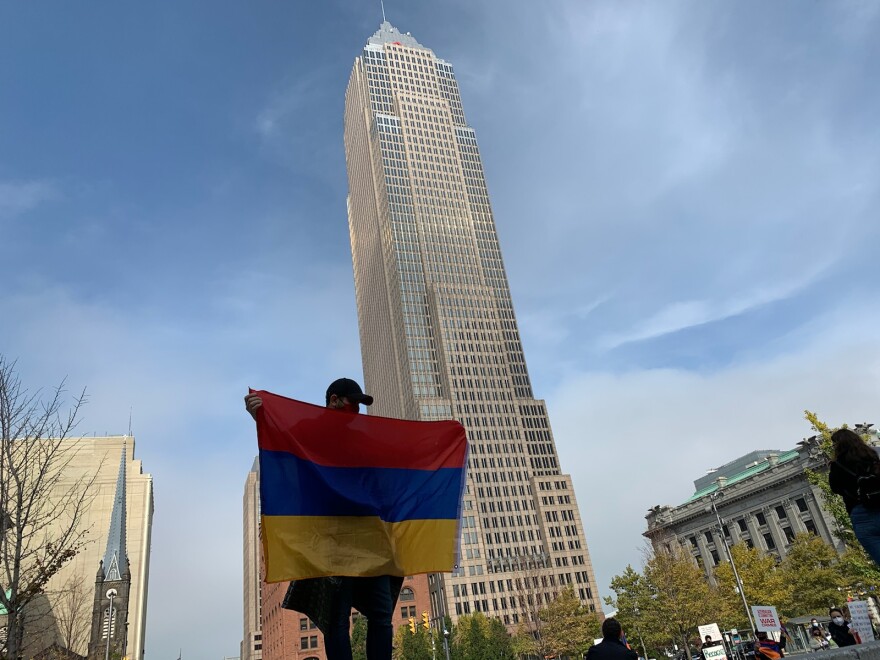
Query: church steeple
x,y
110,615
116,557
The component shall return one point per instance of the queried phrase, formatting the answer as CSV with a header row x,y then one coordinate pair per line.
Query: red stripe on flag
x,y
341,439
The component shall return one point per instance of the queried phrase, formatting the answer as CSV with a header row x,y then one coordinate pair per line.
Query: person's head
x,y
836,615
817,632
611,629
346,394
708,638
761,635
848,444
814,622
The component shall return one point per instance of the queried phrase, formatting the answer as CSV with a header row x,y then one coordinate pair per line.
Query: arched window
x,y
407,594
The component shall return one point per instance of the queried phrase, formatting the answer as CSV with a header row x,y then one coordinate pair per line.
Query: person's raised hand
x,y
252,402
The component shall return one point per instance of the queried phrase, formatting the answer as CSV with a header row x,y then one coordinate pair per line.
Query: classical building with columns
x,y
763,498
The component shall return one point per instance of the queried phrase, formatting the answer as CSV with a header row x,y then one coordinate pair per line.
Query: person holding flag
x,y
350,504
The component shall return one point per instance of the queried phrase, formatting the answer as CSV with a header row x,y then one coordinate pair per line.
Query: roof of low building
x,y
751,471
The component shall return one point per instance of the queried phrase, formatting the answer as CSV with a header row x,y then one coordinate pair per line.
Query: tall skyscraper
x,y
439,338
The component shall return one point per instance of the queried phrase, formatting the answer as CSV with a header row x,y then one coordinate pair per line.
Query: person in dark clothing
x,y
767,648
611,647
840,629
854,459
328,601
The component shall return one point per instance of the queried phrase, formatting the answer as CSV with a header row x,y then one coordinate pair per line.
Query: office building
x,y
76,612
252,639
439,338
764,499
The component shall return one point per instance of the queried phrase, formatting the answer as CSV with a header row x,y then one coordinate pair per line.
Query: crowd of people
x,y
838,632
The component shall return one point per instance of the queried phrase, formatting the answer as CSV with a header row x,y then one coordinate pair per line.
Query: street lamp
x,y
446,641
111,594
739,585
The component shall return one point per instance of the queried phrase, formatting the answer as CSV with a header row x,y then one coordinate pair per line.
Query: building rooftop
x,y
750,471
388,34
734,467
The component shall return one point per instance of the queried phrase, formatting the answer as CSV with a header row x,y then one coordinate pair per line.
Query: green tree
x,y
473,639
409,646
633,604
500,642
359,639
524,643
569,628
681,598
762,582
813,571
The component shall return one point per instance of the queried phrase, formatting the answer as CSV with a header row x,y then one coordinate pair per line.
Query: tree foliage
x,y
814,573
680,597
633,604
41,511
359,638
569,628
409,646
762,582
479,638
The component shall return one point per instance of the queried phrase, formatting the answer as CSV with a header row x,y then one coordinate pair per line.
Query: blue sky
x,y
687,196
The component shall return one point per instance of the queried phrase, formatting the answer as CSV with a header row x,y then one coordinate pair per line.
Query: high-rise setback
x,y
439,338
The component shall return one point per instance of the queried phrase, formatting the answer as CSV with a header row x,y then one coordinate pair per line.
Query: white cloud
x,y
633,440
21,196
682,315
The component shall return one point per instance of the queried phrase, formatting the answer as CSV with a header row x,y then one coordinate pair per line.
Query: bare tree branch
x,y
42,506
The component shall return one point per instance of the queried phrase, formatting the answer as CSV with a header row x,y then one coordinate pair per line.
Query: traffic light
x,y
425,624
412,625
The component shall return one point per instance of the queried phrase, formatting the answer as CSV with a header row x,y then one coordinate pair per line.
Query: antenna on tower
x,y
382,2
129,421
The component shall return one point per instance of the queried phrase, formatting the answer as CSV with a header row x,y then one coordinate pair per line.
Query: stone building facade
x,y
764,500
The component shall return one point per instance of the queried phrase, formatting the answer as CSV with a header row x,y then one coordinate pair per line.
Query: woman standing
x,y
841,630
853,460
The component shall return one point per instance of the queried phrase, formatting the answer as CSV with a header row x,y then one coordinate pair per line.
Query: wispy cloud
x,y
17,197
679,316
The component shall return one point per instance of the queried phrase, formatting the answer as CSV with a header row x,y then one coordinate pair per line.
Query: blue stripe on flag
x,y
291,486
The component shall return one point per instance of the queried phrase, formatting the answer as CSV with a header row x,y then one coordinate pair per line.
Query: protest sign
x,y
712,630
766,618
715,652
861,620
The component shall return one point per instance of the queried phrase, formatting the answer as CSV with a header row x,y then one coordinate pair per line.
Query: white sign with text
x,y
715,652
766,618
712,630
861,620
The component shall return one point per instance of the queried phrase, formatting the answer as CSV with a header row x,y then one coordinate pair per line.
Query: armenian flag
x,y
344,494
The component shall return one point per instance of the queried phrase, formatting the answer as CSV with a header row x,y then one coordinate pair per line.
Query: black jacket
x,y
843,479
611,649
840,634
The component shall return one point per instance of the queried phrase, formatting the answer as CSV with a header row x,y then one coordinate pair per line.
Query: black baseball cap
x,y
346,387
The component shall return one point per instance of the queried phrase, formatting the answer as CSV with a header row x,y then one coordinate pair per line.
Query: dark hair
x,y
850,447
835,609
611,628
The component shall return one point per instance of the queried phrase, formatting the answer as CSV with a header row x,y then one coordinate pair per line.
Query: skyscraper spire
x,y
115,557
